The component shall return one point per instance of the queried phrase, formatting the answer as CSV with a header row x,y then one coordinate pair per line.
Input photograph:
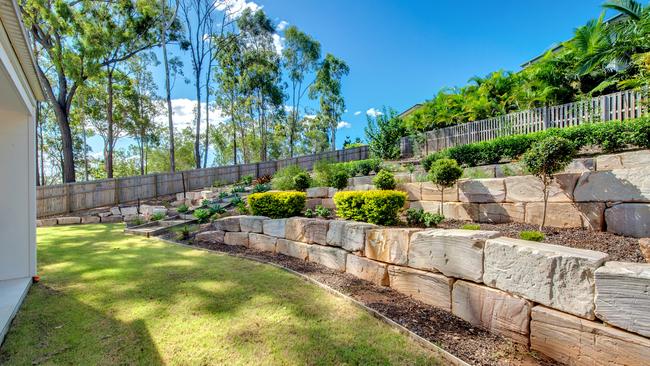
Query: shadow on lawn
x,y
118,271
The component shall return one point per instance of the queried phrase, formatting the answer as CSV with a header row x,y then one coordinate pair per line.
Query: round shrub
x,y
384,180
364,167
548,156
339,180
301,181
445,172
277,205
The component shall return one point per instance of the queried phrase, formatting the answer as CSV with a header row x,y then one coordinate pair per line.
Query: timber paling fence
x,y
617,106
70,197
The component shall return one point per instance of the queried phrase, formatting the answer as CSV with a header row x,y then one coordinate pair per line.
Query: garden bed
x,y
470,343
619,248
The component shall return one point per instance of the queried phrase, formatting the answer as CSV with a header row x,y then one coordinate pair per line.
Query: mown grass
x,y
106,298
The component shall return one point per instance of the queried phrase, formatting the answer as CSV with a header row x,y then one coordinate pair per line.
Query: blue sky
x,y
402,52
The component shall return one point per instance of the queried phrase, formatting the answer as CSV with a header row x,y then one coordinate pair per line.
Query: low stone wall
x,y
114,215
570,304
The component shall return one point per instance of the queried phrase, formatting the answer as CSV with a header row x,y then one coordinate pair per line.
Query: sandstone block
x,y
235,238
482,190
455,253
68,220
509,170
430,288
461,211
427,206
328,203
575,341
211,237
252,224
293,249
90,219
318,192
529,188
313,202
626,185
230,223
623,296
499,213
581,165
479,172
629,219
644,247
360,181
553,275
48,222
367,269
431,193
330,257
112,219
587,214
274,227
262,242
413,190
331,191
493,309
132,210
388,245
625,160
310,231
349,235
115,211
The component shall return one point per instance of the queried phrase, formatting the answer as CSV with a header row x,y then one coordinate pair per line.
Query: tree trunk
x,y
333,136
141,147
109,119
168,93
197,138
207,113
66,143
442,200
234,130
541,227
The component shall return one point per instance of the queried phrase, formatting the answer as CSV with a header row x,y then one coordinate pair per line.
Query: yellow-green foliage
x,y
376,207
277,204
532,235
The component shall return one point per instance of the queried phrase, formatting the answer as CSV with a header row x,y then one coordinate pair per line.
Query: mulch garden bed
x,y
472,344
619,248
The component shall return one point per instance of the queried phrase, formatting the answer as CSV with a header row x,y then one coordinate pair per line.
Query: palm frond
x,y
631,8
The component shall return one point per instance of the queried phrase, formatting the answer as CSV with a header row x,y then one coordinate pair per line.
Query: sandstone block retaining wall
x,y
570,304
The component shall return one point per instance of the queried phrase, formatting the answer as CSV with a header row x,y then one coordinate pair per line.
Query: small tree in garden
x,y
546,158
444,173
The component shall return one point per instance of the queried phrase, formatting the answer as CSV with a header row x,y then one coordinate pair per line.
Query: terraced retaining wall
x,y
570,304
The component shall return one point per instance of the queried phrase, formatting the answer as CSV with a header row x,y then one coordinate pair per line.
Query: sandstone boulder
x,y
252,224
529,188
90,219
498,213
629,219
312,203
328,203
360,181
330,257
455,253
495,310
625,185
68,220
625,160
111,219
48,222
431,193
293,249
317,192
413,190
644,247
349,235
388,245
367,269
310,231
211,237
566,215
235,238
230,223
430,288
262,242
274,227
623,296
575,341
581,165
460,211
129,211
115,211
482,190
553,275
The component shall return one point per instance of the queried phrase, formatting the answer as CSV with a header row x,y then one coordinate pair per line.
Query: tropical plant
x,y
157,216
182,208
202,215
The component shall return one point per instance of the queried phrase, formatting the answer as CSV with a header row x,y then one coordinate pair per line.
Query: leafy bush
x,y
216,209
471,227
157,216
309,213
328,174
183,232
205,202
417,217
238,189
202,214
444,173
283,179
375,164
431,219
323,212
242,208
223,195
376,207
339,180
532,235
236,200
302,181
364,167
384,180
277,204
183,208
383,134
261,187
246,180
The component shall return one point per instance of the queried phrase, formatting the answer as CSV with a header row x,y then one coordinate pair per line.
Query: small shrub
x,y
246,180
242,208
417,217
236,200
261,187
339,180
430,219
157,216
376,207
364,167
301,181
183,232
444,173
218,183
323,212
410,167
205,202
136,222
532,235
216,209
471,227
309,213
375,164
183,208
277,205
238,189
223,195
414,216
202,215
384,180
327,174
283,178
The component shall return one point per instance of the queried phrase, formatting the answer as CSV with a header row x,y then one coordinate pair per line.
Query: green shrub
x,y
223,195
444,173
183,208
417,217
431,219
471,227
247,179
216,209
376,207
384,180
157,216
283,179
302,181
277,204
532,235
339,180
375,164
261,187
323,212
242,208
205,202
238,189
364,167
309,213
183,232
327,174
202,214
236,200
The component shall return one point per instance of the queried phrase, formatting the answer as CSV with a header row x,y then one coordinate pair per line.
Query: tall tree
x,y
168,20
327,87
301,54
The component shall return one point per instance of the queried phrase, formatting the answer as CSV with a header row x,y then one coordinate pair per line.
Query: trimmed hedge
x,y
277,205
610,136
376,207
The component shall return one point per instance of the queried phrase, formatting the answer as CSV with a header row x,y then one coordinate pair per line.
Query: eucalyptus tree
x,y
327,87
167,22
300,55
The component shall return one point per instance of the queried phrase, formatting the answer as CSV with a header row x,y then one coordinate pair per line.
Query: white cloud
x,y
282,25
278,43
183,114
372,112
357,113
235,7
343,124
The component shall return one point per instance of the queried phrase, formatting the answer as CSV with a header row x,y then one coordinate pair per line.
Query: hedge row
x,y
375,207
277,205
610,136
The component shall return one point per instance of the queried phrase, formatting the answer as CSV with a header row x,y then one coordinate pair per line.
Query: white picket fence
x,y
619,106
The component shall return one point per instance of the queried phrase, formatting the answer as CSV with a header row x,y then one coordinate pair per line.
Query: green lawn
x,y
106,298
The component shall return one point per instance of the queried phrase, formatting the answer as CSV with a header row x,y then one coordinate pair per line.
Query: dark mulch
x,y
472,344
619,248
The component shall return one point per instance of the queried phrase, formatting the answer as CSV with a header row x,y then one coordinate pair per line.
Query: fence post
x,y
257,170
116,198
604,110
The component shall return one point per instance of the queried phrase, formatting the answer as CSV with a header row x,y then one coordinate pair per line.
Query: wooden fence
x,y
70,197
617,106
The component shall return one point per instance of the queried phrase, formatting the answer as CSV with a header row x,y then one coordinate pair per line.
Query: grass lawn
x,y
106,298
